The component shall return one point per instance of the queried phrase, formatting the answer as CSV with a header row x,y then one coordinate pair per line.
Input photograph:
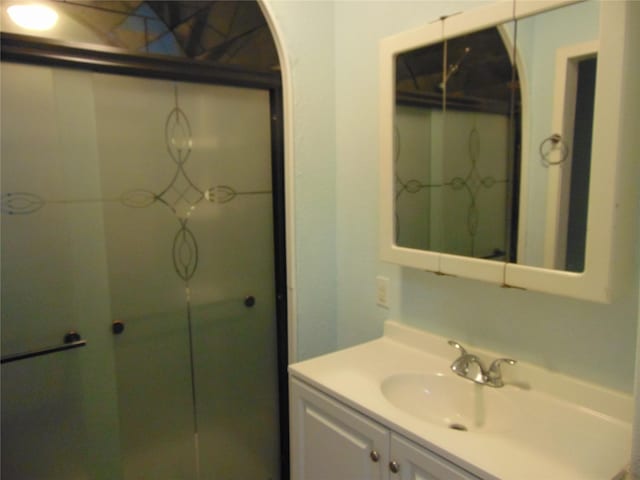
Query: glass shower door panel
x,y
234,346
42,419
59,406
156,411
152,353
237,396
189,236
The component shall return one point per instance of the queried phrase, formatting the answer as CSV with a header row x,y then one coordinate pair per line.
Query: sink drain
x,y
458,426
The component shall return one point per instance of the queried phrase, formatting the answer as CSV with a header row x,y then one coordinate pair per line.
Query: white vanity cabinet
x,y
416,463
330,441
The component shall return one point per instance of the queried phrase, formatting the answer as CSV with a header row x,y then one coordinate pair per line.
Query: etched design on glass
x,y
21,203
472,182
181,195
177,132
138,198
411,186
220,194
185,252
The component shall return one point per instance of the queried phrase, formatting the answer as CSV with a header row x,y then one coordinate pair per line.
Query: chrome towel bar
x,y
71,340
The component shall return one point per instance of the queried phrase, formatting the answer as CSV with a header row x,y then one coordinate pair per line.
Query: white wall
x,y
336,154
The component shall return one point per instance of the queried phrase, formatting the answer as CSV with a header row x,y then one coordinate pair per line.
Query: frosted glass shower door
x,y
59,411
139,213
188,241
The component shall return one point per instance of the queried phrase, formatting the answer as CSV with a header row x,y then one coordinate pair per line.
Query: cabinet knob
x,y
394,466
117,327
375,456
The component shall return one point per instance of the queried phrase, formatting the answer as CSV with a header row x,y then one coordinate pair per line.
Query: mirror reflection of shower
x,y
453,174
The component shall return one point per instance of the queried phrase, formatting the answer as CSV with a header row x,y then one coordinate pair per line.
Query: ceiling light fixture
x,y
33,16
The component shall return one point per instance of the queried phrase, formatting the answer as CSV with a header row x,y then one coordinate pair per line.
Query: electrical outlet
x,y
382,291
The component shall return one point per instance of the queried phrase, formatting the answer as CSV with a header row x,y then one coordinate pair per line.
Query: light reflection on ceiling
x,y
220,32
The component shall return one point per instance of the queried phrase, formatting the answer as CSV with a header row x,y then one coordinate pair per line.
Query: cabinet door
x,y
331,442
415,463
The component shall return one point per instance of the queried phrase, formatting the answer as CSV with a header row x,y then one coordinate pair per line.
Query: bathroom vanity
x,y
393,409
339,442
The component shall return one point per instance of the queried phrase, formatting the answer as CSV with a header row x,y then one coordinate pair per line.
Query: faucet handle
x,y
494,375
495,365
460,365
457,346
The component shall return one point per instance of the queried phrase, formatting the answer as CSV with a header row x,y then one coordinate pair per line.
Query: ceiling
x,y
478,73
221,32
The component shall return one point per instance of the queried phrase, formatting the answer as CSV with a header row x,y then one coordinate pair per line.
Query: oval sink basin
x,y
449,401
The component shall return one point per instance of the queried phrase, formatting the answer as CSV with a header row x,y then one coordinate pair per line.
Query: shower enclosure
x,y
143,289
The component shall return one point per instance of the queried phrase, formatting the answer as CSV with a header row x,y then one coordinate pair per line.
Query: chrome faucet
x,y
470,367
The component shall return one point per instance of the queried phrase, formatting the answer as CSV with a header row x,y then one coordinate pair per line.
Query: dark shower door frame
x,y
37,51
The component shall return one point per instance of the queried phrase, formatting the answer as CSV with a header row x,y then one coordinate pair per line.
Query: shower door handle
x,y
72,339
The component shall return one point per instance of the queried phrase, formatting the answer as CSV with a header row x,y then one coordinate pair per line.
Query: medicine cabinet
x,y
499,145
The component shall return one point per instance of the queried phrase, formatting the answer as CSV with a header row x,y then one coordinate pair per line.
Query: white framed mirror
x,y
499,147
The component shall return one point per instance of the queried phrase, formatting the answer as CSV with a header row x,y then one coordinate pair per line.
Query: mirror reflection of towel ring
x,y
550,145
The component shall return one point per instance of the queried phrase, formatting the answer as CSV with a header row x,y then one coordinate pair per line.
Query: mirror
x,y
559,69
466,142
494,124
454,143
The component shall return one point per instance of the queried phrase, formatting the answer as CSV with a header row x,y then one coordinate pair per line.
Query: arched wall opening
x,y
155,344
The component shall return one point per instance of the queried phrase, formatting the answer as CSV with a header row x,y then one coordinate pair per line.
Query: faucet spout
x,y
470,367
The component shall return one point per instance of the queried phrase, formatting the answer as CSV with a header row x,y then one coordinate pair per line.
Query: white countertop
x,y
564,428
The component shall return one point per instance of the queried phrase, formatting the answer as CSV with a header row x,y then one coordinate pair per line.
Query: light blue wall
x,y
307,30
333,49
359,25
